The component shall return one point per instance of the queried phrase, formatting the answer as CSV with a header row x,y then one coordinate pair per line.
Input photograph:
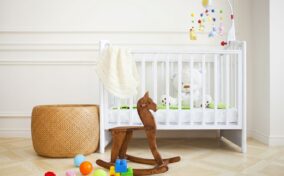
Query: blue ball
x,y
79,159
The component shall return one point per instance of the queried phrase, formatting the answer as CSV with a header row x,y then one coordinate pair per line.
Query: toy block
x,y
112,171
128,173
117,174
121,165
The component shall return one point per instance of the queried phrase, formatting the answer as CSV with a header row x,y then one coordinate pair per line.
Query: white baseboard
x,y
15,125
259,136
15,133
276,140
266,139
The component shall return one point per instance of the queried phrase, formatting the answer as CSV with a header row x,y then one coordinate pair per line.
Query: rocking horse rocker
x,y
122,135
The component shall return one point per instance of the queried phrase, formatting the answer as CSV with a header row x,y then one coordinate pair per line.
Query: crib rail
x,y
165,73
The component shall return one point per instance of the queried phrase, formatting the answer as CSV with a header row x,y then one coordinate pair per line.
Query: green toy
x,y
100,172
220,105
128,173
173,107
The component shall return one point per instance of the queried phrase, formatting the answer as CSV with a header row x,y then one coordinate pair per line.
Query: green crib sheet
x,y
174,107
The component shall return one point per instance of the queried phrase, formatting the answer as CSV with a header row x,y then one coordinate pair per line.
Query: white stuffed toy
x,y
189,89
172,100
207,100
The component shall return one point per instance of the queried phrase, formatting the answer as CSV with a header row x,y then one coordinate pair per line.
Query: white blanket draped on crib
x,y
117,71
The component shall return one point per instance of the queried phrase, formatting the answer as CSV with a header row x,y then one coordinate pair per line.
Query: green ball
x,y
100,172
211,105
221,106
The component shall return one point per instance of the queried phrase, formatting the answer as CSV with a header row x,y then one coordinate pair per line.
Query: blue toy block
x,y
128,173
121,165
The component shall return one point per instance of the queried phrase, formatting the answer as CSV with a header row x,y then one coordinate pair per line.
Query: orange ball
x,y
86,167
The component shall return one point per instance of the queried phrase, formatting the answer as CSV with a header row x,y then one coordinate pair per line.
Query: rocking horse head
x,y
146,103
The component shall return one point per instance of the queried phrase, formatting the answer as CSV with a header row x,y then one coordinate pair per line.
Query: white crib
x,y
223,77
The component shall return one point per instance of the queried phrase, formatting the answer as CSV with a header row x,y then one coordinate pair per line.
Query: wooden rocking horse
x,y
122,135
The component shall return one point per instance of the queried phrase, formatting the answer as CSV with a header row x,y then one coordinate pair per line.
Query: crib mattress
x,y
193,116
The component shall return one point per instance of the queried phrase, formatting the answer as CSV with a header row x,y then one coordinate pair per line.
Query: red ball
x,y
199,21
86,167
49,173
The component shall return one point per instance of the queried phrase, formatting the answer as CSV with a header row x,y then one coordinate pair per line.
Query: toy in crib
x,y
207,22
188,90
207,101
172,100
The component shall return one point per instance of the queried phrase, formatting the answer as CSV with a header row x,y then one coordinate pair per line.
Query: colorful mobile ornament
x,y
207,22
206,3
192,34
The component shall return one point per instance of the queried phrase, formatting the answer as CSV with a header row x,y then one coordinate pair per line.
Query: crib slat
x,y
191,98
203,88
119,106
179,81
143,76
227,62
191,82
130,121
167,82
171,70
155,80
235,78
216,88
179,87
240,88
167,88
221,78
208,82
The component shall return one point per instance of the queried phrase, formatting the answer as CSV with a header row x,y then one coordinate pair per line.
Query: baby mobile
x,y
211,21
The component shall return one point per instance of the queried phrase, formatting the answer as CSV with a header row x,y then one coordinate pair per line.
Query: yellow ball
x,y
192,14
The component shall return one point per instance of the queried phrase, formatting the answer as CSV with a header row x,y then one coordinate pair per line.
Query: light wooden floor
x,y
200,157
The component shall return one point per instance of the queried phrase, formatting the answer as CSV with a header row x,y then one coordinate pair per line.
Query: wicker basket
x,y
65,130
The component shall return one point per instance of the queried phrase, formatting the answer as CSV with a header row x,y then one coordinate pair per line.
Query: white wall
x,y
48,48
244,26
260,70
276,64
268,82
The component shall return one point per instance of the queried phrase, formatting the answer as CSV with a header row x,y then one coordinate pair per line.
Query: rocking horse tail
x,y
151,136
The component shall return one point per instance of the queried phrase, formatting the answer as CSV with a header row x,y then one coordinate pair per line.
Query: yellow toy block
x,y
112,171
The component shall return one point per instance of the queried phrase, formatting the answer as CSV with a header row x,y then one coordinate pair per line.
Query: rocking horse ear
x,y
146,95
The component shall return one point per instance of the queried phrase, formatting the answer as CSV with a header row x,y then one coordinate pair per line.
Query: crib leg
x,y
238,137
102,141
105,139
